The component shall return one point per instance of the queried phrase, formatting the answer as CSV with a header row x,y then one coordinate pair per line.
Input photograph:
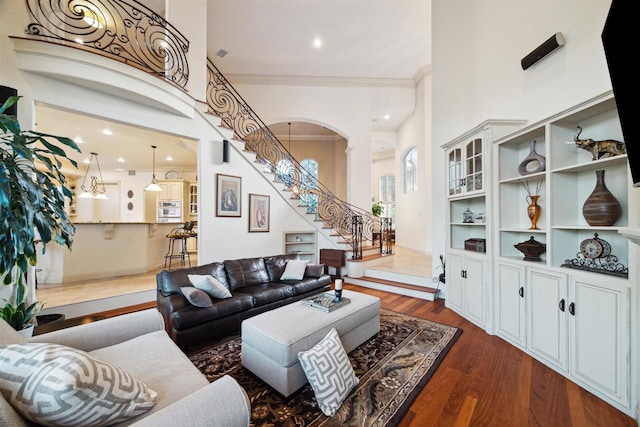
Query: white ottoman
x,y
271,341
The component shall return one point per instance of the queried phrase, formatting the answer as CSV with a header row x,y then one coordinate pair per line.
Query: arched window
x,y
410,170
387,196
284,172
309,181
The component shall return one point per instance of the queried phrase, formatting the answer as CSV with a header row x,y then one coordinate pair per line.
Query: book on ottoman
x,y
325,301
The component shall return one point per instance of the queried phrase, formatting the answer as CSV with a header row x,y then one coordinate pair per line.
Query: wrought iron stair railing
x,y
352,223
129,32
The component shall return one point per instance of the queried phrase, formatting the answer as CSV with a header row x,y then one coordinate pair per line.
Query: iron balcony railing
x,y
124,30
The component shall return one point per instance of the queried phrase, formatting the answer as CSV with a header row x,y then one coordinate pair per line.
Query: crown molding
x,y
263,79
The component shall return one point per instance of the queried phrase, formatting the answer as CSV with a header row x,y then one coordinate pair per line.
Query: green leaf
x,y
30,199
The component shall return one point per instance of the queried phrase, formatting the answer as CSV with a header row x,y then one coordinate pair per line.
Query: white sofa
x,y
138,343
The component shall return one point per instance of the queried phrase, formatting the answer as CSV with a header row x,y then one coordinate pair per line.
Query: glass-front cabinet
x,y
465,167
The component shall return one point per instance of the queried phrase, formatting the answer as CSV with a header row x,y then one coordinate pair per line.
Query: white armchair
x,y
138,344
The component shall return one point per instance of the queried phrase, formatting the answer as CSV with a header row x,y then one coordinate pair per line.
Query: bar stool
x,y
179,235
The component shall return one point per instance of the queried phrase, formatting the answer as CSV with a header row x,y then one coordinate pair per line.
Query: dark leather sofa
x,y
255,287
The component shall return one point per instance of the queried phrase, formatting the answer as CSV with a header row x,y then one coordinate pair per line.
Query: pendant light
x,y
93,192
154,182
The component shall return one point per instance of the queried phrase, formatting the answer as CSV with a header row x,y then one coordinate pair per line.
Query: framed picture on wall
x,y
228,195
258,213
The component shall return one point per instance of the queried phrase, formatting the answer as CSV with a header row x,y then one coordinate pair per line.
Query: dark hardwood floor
x,y
484,381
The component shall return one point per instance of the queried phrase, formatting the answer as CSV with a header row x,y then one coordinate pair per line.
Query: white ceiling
x,y
363,40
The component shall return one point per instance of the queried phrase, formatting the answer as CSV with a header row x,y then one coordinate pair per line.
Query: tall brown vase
x,y
601,208
533,211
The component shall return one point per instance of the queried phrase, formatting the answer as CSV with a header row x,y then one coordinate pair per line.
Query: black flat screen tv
x,y
620,41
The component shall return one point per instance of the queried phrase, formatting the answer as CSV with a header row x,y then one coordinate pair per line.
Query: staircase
x,y
350,228
330,216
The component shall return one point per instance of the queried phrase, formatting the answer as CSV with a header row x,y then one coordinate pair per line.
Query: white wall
x,y
413,210
346,110
477,48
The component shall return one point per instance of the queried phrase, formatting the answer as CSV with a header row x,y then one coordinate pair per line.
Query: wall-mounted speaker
x,y
226,153
551,44
5,93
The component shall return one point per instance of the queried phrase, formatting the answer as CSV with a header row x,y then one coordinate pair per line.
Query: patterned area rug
x,y
393,366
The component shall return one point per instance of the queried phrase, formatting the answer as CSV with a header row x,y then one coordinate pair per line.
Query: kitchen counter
x,y
103,250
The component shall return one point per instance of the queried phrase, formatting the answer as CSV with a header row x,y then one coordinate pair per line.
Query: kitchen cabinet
x,y
193,199
172,191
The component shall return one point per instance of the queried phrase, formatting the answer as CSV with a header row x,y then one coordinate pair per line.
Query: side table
x,y
333,258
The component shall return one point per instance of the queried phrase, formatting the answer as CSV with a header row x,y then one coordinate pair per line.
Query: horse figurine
x,y
599,149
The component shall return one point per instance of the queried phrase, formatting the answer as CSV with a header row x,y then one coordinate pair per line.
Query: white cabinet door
x,y
474,290
600,340
510,303
547,321
465,286
171,191
455,275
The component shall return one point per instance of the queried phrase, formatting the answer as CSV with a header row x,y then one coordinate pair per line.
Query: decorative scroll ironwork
x,y
356,233
226,103
124,30
385,236
605,265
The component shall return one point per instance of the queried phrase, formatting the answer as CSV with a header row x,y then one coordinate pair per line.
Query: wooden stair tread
x,y
368,257
399,284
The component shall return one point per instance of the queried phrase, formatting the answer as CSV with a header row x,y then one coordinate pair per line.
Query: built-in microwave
x,y
169,211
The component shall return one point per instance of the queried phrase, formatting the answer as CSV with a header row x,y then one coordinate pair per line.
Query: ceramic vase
x,y
531,158
601,208
533,211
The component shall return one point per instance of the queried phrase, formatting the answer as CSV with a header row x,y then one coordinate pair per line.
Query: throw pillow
x,y
294,270
329,372
210,285
196,296
314,270
53,384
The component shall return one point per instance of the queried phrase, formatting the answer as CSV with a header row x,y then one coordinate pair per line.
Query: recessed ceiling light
x,y
317,42
107,131
78,140
387,117
87,161
120,159
169,159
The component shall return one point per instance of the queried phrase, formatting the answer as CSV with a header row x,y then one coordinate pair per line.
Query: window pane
x,y
411,171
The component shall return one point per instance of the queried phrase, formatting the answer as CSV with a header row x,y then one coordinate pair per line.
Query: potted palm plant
x,y
32,206
376,207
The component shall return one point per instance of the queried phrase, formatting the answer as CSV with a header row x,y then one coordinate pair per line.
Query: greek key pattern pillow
x,y
329,372
52,384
